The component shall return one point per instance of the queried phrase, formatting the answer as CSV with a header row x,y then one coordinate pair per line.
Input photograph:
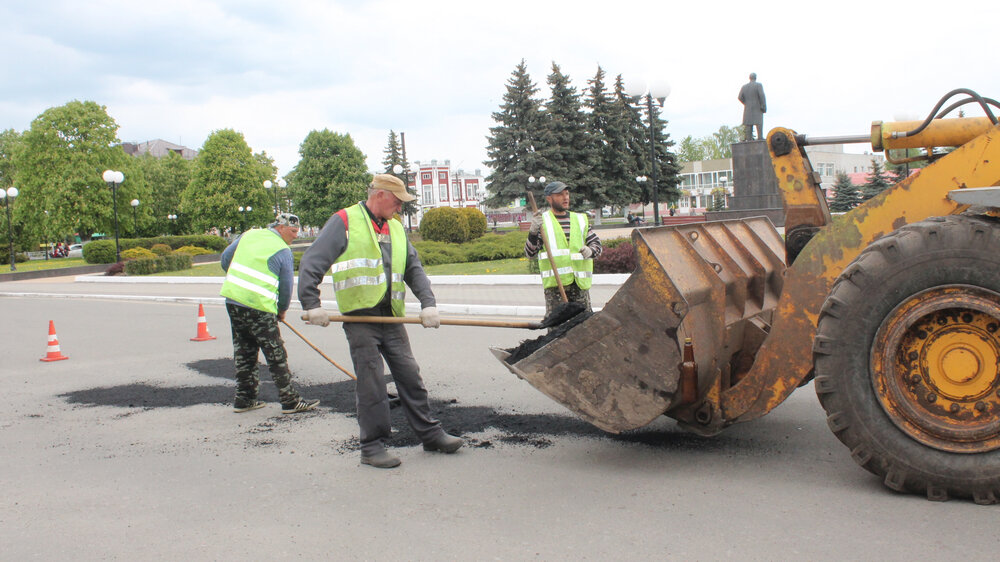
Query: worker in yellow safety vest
x,y
573,244
371,262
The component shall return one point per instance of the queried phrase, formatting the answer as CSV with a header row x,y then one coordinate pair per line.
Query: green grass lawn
x,y
496,267
38,265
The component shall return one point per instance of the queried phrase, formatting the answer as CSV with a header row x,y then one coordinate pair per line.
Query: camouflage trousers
x,y
573,293
254,331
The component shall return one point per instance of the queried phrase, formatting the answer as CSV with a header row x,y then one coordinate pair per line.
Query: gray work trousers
x,y
370,343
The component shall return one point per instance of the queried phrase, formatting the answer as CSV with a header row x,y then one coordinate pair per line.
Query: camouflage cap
x,y
286,219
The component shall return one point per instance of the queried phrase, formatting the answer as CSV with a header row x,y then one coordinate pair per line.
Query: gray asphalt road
x,y
130,450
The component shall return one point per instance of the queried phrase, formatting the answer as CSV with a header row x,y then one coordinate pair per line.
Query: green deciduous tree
x,y
511,144
167,178
877,181
691,150
226,175
846,195
330,175
59,170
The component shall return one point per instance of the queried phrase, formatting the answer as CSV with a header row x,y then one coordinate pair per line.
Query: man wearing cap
x,y
573,245
371,260
258,288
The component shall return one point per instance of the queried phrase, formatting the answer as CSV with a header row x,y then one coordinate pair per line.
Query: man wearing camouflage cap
x,y
258,289
371,260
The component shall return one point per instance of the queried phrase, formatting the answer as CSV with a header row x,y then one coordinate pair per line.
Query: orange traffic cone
x,y
53,353
203,334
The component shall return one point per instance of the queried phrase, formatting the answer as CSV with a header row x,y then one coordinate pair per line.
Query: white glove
x,y
318,317
536,224
429,317
586,252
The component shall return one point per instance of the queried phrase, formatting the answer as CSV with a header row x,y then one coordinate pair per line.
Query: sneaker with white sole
x,y
240,406
300,406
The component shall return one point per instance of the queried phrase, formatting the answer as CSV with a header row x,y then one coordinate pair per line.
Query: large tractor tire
x,y
907,358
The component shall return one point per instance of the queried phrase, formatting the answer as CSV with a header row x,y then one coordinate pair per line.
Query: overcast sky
x,y
437,70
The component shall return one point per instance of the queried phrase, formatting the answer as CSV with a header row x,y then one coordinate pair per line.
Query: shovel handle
x,y
444,321
548,251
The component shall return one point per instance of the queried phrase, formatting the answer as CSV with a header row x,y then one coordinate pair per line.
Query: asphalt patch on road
x,y
509,427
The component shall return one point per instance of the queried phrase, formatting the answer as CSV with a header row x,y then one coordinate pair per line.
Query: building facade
x,y
437,185
158,148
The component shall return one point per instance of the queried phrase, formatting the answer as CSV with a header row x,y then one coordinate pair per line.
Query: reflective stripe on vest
x,y
359,273
249,281
570,263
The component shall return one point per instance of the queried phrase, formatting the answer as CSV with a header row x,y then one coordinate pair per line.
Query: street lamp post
x,y
658,91
8,198
173,223
642,181
243,217
280,185
114,179
135,221
404,174
45,234
532,180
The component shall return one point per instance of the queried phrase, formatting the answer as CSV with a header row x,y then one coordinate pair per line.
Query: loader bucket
x,y
619,368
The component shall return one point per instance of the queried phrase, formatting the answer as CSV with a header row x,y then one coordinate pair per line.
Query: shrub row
x,y
173,262
486,248
5,257
103,251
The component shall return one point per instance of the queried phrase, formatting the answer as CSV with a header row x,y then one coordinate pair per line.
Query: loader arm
x,y
785,359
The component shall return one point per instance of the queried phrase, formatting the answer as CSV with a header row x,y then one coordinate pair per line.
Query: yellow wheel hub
x,y
935,366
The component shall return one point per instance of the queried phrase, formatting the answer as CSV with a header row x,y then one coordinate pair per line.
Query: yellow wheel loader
x,y
893,308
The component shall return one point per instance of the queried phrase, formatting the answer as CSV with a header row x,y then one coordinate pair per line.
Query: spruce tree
x,y
846,195
877,182
667,168
615,168
394,155
637,141
511,144
565,145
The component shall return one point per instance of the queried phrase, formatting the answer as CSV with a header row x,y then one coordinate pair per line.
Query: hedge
x,y
137,254
486,248
103,251
192,251
173,262
18,257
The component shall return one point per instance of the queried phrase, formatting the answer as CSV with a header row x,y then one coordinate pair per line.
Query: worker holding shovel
x,y
371,260
569,248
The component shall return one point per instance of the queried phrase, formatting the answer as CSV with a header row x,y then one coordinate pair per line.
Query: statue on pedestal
x,y
754,108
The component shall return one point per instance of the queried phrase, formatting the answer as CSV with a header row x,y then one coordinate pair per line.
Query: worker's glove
x,y
586,252
318,316
429,317
536,224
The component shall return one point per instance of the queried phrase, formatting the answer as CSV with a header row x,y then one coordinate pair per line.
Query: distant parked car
x,y
75,251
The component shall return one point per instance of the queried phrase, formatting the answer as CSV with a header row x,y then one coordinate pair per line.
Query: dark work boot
x,y
444,443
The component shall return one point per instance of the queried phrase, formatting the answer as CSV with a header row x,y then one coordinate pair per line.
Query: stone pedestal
x,y
754,184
